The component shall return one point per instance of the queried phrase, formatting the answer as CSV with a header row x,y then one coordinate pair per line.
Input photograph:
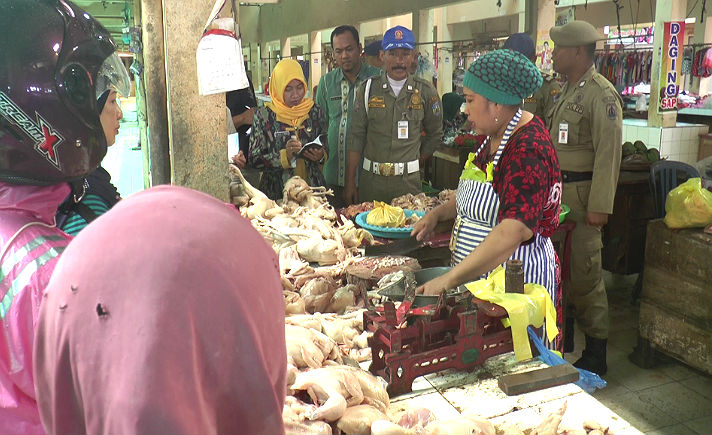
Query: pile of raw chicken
x,y
328,392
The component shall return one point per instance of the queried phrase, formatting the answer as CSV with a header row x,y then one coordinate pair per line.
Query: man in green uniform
x,y
540,102
586,124
397,120
335,96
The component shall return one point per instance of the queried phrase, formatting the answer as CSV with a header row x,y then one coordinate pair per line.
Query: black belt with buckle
x,y
572,177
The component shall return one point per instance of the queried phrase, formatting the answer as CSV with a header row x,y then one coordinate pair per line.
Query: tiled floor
x,y
671,398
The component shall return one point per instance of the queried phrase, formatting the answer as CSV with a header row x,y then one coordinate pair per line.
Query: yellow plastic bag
x,y
534,307
689,205
384,215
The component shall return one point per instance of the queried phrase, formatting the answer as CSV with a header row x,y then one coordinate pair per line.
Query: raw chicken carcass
x,y
372,387
551,423
317,294
461,425
416,418
385,427
293,303
312,321
307,427
307,347
332,389
342,299
358,419
294,415
342,331
322,251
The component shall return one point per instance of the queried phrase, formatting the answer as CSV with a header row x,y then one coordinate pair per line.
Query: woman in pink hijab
x,y
165,315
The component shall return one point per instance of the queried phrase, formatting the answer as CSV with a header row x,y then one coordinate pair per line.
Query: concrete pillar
x,y
445,57
197,128
315,61
665,10
424,37
141,116
156,95
286,46
546,18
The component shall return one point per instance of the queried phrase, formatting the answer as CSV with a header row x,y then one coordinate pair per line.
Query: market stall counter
x,y
329,288
675,303
452,394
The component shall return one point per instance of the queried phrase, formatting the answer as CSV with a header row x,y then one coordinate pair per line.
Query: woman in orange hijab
x,y
281,128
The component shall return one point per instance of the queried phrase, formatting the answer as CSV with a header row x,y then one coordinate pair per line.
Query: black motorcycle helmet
x,y
55,61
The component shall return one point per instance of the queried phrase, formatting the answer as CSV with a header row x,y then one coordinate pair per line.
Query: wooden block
x,y
520,383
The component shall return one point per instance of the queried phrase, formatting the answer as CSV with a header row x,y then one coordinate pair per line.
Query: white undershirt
x,y
396,85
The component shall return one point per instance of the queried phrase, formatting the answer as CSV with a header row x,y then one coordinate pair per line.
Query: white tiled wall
x,y
679,143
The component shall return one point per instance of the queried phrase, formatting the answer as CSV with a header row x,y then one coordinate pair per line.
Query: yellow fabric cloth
x,y
286,71
534,307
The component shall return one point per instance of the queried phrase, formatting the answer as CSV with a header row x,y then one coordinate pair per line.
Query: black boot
x,y
593,358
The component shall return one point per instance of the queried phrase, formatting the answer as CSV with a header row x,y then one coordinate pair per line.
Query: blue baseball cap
x,y
398,37
522,43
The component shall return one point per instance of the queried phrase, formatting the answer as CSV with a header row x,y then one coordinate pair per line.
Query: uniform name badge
x,y
564,132
402,129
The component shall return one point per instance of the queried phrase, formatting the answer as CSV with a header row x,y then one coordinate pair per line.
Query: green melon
x,y
628,149
640,147
653,155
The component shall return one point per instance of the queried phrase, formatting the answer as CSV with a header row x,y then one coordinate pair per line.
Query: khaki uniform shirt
x,y
374,134
592,111
541,101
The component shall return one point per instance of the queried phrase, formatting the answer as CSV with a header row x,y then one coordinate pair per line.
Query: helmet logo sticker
x,y
45,136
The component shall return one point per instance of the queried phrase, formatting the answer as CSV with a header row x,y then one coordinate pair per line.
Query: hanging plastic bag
x,y
689,205
384,215
221,67
534,307
588,381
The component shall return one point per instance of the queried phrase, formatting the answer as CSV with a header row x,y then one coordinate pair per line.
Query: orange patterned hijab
x,y
286,71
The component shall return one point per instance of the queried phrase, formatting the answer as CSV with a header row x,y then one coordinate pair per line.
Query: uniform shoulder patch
x,y
602,81
436,108
612,110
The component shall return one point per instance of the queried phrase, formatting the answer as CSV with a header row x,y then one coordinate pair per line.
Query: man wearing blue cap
x,y
335,96
543,99
397,121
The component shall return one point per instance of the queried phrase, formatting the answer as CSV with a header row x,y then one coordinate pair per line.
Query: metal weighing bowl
x,y
396,290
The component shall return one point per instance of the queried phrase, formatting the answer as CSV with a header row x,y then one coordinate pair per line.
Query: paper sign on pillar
x,y
221,67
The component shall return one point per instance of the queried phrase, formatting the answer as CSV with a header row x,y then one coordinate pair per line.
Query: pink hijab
x,y
165,315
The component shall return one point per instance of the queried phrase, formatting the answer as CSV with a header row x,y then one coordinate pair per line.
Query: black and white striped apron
x,y
477,209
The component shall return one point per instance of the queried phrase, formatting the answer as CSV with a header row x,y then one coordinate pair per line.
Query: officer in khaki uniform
x,y
542,100
397,120
586,128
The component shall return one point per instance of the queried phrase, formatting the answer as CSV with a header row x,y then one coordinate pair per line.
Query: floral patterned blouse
x,y
270,136
527,179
